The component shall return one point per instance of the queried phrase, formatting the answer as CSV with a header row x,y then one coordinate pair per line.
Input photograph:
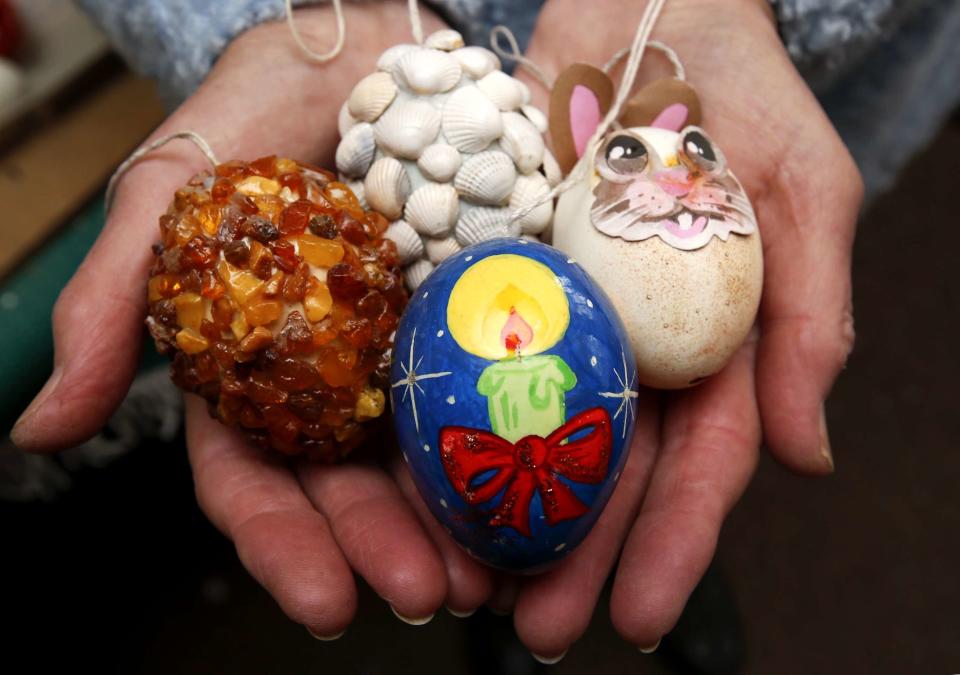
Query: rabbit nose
x,y
676,182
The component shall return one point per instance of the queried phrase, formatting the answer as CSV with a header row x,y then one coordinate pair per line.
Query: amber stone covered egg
x,y
277,296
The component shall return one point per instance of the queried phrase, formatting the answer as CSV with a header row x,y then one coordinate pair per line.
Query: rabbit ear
x,y
668,103
580,98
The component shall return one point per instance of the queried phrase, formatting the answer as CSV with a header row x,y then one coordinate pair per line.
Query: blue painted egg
x,y
514,395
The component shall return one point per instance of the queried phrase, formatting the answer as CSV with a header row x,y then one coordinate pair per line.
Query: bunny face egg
x,y
668,231
514,393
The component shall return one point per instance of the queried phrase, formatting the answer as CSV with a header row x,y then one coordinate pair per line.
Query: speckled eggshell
x,y
686,312
516,456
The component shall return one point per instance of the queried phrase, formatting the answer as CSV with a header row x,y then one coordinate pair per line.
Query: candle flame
x,y
516,332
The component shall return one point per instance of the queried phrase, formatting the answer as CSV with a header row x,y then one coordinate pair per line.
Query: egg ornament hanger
x,y
447,146
660,221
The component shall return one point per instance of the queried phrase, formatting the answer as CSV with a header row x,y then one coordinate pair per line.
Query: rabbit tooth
x,y
439,162
427,71
470,120
505,92
371,96
536,116
387,187
407,128
476,61
432,209
529,190
486,178
439,250
522,142
416,273
409,244
355,152
446,40
482,223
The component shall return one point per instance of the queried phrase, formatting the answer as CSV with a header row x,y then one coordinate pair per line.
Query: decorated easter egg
x,y
446,145
514,393
662,224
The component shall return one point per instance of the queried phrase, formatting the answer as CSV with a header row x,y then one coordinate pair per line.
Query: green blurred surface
x,y
26,303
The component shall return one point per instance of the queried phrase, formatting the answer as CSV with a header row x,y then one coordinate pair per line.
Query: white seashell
x,y
535,115
387,187
551,169
529,237
446,40
371,96
432,209
505,92
476,61
416,273
525,91
529,190
355,152
486,178
409,244
408,126
439,250
470,120
522,142
345,121
356,187
482,223
389,58
439,162
427,71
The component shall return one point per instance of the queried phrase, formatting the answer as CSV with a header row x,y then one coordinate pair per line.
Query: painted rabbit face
x,y
651,181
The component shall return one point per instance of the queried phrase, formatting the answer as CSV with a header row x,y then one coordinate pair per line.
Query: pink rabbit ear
x,y
580,98
668,104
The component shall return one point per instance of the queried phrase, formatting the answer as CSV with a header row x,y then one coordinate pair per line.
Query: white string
x,y
679,71
515,55
309,53
640,40
138,154
415,26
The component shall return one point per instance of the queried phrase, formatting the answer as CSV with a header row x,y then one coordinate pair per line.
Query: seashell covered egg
x,y
446,146
514,393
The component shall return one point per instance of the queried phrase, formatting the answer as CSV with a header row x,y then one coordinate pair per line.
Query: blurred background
x,y
107,562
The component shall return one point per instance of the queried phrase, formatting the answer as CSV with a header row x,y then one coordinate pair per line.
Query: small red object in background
x,y
11,36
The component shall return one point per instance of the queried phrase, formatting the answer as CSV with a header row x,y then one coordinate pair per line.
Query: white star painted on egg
x,y
411,381
625,395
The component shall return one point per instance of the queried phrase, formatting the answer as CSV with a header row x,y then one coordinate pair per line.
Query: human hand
x,y
298,529
685,473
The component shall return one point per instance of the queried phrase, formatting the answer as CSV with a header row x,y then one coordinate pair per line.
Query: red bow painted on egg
x,y
530,465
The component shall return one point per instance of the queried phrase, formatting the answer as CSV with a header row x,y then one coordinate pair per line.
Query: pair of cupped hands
x,y
303,530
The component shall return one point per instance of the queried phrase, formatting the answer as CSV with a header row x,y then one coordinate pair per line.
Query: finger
x,y
254,498
806,314
709,450
469,583
554,608
379,533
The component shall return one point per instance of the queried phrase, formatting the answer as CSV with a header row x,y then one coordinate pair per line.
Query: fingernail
x,y
413,621
461,615
651,649
825,450
549,660
17,433
325,638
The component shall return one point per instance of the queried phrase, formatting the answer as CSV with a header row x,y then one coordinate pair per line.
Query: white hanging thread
x,y
637,48
138,154
678,70
413,9
515,55
309,53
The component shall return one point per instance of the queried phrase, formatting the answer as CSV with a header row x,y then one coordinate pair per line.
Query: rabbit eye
x,y
626,155
697,148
